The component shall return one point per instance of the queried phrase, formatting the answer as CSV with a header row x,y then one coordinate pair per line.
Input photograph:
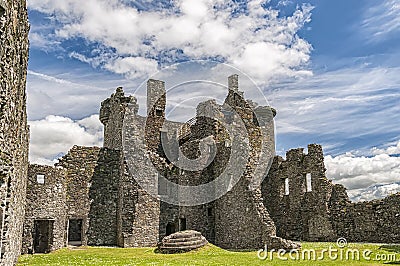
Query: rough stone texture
x,y
118,190
182,241
80,164
222,221
14,133
103,195
325,213
45,201
302,214
371,221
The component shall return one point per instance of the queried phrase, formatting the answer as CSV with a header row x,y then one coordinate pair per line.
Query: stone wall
x,y
321,211
103,194
242,221
299,210
45,201
138,211
371,221
14,133
80,164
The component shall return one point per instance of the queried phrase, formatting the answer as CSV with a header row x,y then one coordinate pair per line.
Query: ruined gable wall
x,y
325,213
14,133
302,214
45,201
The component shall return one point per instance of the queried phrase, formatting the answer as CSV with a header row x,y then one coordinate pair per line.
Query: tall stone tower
x,y
14,133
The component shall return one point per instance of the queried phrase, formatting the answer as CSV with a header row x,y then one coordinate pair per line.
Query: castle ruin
x,y
92,196
102,196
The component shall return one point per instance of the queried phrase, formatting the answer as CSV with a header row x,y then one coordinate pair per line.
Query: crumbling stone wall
x,y
371,221
14,132
242,221
298,212
103,194
45,201
325,213
80,164
137,211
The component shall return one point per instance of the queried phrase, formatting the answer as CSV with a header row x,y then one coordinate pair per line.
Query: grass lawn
x,y
209,255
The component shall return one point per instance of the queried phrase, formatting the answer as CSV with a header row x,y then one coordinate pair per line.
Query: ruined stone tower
x,y
14,133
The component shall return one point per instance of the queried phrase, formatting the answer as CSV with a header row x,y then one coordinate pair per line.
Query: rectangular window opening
x,y
286,186
40,178
308,182
209,211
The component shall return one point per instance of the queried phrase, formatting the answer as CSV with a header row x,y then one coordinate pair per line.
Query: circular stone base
x,y
182,241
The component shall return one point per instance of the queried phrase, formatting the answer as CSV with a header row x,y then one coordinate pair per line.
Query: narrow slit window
x,y
286,186
40,178
308,182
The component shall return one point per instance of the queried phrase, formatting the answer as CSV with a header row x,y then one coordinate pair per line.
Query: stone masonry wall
x,y
14,132
80,164
137,211
103,194
372,221
45,201
325,213
242,221
300,212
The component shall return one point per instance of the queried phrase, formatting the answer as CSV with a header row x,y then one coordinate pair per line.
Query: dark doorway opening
x,y
75,232
43,236
182,224
170,229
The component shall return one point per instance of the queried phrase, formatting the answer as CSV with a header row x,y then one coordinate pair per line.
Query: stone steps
x,y
182,242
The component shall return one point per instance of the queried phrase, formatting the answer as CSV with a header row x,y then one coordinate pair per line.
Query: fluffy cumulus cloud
x,y
135,41
366,177
53,136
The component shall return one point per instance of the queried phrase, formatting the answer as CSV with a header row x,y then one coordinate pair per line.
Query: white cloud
x,y
74,95
55,135
374,192
382,20
258,41
391,150
365,177
132,67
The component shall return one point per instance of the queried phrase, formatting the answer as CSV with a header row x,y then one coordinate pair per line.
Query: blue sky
x,y
330,68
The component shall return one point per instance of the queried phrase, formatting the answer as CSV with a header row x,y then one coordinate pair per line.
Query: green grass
x,y
208,255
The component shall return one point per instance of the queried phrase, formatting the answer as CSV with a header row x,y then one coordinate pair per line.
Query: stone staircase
x,y
182,241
